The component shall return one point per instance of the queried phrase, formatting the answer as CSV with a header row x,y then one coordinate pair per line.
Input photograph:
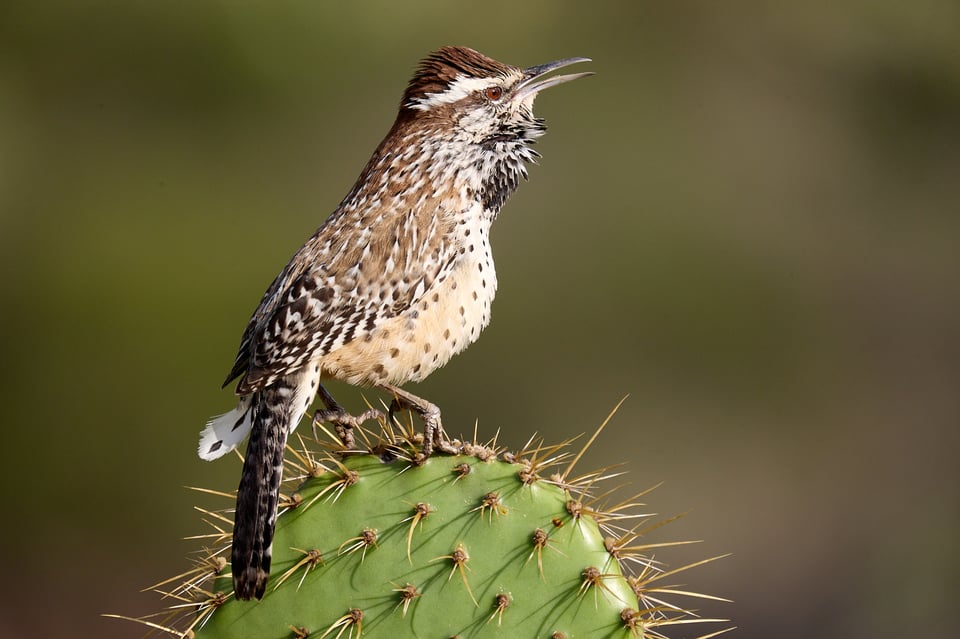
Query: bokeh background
x,y
747,221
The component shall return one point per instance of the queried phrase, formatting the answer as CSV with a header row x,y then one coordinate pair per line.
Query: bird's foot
x,y
342,421
433,433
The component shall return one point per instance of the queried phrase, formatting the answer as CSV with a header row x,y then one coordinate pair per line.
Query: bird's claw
x,y
344,423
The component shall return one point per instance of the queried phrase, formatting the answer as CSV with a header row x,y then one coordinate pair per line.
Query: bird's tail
x,y
275,411
225,432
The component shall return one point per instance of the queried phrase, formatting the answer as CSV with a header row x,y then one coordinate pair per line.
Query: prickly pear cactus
x,y
482,544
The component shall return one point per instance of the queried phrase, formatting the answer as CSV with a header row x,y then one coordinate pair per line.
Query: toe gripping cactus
x,y
376,543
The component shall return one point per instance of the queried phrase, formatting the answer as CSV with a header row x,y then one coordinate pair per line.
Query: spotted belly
x,y
408,347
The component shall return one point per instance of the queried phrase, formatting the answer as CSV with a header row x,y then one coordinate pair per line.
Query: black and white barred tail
x,y
269,415
258,494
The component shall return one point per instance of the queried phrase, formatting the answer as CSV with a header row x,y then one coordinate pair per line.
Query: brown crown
x,y
440,68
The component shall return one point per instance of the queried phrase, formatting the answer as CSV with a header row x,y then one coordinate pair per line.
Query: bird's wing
x,y
339,287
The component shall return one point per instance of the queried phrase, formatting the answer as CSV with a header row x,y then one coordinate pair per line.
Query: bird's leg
x,y
343,422
432,429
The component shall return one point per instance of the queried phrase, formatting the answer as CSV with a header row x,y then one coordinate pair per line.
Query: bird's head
x,y
470,98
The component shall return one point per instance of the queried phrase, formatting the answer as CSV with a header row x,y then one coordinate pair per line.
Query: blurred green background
x,y
748,221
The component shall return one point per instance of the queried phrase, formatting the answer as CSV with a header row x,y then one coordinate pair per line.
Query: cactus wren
x,y
393,284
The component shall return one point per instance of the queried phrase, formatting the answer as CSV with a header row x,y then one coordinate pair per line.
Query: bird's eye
x,y
493,93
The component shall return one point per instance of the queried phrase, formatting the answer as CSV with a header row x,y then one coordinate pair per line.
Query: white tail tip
x,y
225,432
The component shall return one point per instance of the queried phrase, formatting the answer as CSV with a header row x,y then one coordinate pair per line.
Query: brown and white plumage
x,y
394,283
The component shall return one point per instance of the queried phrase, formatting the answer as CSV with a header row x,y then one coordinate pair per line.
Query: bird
x,y
397,280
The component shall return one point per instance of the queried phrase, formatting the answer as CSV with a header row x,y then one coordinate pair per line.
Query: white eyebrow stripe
x,y
458,90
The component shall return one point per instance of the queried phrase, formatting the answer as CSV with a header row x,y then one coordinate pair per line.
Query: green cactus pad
x,y
381,544
513,581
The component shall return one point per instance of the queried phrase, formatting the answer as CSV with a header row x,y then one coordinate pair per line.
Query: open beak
x,y
534,81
